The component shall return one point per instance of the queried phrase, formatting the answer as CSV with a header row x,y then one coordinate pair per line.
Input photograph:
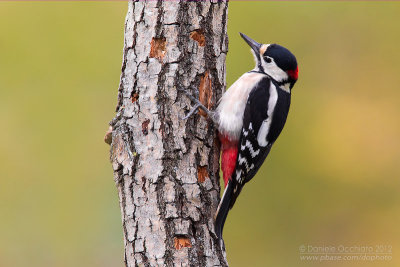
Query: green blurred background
x,y
331,179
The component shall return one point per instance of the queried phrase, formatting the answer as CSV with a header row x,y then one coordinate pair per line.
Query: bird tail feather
x,y
223,209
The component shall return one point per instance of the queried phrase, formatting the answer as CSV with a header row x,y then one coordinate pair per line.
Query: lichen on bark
x,y
167,169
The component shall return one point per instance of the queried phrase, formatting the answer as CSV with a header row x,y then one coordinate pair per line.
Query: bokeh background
x,y
332,178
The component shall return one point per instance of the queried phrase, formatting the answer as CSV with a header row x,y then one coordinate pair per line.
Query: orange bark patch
x,y
157,49
205,92
145,126
202,174
182,242
198,36
134,97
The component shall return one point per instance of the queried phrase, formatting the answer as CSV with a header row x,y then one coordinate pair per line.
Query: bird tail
x,y
223,209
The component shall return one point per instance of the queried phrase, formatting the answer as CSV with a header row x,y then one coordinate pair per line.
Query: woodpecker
x,y
250,116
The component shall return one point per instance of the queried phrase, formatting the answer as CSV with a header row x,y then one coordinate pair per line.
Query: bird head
x,y
276,61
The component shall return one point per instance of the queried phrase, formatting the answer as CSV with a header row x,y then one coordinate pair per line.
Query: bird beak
x,y
253,44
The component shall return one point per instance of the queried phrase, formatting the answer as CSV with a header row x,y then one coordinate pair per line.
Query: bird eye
x,y
268,59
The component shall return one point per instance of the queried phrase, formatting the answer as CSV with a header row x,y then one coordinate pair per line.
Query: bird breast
x,y
232,104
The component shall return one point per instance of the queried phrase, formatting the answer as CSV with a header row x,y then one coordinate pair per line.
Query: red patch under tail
x,y
228,156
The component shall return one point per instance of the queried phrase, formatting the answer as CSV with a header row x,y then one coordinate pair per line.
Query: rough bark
x,y
166,169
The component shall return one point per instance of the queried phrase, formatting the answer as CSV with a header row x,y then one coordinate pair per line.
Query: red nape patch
x,y
294,74
228,158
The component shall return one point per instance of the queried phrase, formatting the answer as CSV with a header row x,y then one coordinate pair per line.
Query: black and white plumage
x,y
261,127
250,116
263,118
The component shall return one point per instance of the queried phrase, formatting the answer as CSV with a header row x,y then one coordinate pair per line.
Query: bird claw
x,y
197,106
193,110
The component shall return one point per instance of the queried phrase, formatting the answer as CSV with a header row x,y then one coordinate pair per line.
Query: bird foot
x,y
198,105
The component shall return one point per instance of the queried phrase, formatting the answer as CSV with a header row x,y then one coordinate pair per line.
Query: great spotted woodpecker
x,y
250,116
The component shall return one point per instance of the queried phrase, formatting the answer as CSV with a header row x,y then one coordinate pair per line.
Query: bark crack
x,y
167,170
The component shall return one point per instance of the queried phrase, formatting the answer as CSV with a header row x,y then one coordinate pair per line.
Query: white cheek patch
x,y
264,129
274,71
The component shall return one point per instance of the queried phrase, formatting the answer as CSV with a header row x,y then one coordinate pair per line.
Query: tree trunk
x,y
166,169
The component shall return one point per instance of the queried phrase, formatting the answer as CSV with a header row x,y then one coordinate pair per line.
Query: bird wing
x,y
251,154
259,132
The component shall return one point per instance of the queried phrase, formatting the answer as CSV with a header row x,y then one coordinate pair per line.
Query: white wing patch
x,y
239,177
264,129
253,152
243,160
262,133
